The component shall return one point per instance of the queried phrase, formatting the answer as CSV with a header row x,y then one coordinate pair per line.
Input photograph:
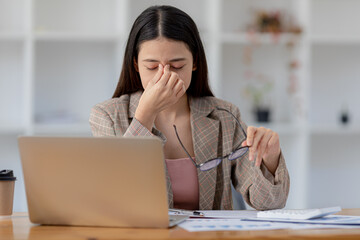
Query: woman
x,y
163,91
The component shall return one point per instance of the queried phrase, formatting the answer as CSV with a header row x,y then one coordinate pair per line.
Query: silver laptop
x,y
102,181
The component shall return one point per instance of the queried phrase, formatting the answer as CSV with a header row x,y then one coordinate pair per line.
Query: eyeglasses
x,y
212,163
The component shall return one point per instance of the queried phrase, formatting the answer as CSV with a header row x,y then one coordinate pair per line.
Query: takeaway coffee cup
x,y
7,184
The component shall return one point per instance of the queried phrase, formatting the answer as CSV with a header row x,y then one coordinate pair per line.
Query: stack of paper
x,y
246,220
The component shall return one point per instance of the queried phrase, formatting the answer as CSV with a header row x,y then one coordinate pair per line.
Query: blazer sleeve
x,y
106,122
101,123
259,188
137,129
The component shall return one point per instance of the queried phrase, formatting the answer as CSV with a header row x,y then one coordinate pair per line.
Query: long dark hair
x,y
171,23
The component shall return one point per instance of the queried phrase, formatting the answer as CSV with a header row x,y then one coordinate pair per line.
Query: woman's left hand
x,y
263,144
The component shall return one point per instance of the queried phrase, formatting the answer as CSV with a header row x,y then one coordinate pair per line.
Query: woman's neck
x,y
177,110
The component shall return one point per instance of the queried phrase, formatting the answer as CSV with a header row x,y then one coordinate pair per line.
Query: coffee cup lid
x,y
7,175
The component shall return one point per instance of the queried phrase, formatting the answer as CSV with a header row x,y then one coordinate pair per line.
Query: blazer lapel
x,y
133,103
205,131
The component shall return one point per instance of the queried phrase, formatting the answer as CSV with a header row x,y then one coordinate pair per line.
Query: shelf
x,y
11,84
88,74
12,36
335,18
269,63
196,10
239,15
11,130
280,128
87,37
63,129
75,16
259,38
335,84
338,40
332,129
12,15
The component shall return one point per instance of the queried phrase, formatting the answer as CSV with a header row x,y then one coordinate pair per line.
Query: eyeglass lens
x,y
213,163
238,153
210,164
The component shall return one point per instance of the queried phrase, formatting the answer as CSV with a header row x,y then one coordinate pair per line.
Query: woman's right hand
x,y
164,90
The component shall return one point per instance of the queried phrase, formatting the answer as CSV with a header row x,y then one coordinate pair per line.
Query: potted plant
x,y
258,92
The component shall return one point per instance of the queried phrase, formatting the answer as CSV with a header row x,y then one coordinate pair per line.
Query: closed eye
x,y
154,68
177,68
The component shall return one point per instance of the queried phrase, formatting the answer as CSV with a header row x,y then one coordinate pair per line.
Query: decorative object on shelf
x,y
258,90
294,85
57,117
258,85
344,115
275,22
269,22
262,115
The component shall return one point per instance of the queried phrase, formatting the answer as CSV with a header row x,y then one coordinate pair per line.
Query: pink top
x,y
184,183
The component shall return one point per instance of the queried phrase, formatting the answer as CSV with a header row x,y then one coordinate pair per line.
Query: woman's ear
x,y
136,65
194,64
194,67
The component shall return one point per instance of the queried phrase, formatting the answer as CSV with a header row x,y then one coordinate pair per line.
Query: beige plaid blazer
x,y
215,134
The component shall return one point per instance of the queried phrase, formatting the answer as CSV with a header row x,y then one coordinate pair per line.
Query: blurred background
x,y
289,65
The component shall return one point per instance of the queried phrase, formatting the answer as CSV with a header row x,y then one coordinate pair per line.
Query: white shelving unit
x,y
60,57
335,75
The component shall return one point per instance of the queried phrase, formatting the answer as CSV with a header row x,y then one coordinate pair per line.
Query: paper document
x,y
207,224
227,214
330,219
195,225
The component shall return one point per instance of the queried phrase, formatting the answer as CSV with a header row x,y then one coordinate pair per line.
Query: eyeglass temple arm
x,y
182,145
237,120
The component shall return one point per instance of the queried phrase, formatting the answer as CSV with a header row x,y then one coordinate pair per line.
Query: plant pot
x,y
344,118
262,115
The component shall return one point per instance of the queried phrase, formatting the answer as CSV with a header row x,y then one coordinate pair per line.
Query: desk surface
x,y
18,226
